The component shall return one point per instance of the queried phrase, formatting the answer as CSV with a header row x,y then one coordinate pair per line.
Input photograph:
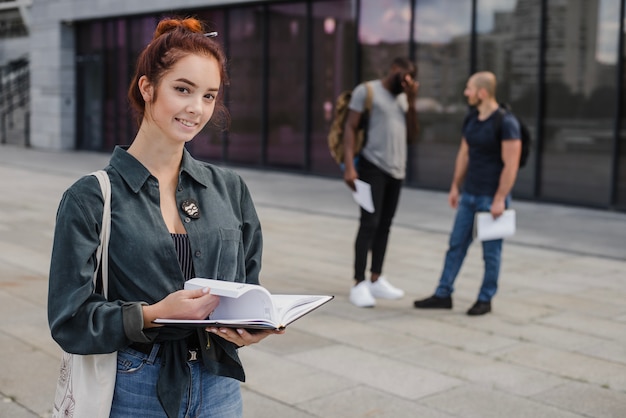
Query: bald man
x,y
484,174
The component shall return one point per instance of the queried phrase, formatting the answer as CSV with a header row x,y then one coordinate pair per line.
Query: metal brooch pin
x,y
190,207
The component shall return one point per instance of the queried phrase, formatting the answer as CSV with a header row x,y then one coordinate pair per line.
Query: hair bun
x,y
168,25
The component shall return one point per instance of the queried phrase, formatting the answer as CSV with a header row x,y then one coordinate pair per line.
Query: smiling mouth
x,y
187,123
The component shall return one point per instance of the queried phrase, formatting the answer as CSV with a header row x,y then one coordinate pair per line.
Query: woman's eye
x,y
182,89
210,96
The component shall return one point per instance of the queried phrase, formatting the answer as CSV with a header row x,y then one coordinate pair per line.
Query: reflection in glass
x,y
442,34
580,105
332,72
89,85
620,187
287,85
245,97
385,26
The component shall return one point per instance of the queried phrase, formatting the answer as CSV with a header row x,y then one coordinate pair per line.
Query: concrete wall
x,y
52,59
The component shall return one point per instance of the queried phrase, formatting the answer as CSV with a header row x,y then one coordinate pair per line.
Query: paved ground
x,y
555,345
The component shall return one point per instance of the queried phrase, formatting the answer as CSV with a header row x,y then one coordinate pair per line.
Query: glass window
x,y
507,44
384,32
89,85
245,95
287,83
124,125
581,55
332,72
442,35
110,120
139,34
620,186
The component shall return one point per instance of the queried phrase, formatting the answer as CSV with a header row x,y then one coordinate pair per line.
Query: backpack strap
x,y
497,123
369,98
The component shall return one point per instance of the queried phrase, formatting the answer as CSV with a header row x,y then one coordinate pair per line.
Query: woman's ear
x,y
146,88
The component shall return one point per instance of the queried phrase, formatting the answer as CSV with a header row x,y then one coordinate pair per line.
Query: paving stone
x,y
259,406
586,399
10,409
477,402
552,347
570,365
489,372
290,381
364,402
379,372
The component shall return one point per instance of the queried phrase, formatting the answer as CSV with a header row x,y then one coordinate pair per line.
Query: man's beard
x,y
396,85
477,102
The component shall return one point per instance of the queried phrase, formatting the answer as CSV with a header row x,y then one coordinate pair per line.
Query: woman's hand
x,y
182,304
240,336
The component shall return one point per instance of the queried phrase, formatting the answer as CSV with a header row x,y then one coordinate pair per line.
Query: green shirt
x,y
226,242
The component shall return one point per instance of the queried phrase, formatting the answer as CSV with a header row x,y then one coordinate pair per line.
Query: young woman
x,y
173,218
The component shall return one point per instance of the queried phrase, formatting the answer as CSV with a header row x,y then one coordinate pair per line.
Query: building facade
x,y
559,64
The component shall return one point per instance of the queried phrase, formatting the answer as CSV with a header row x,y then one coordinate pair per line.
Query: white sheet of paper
x,y
488,228
363,195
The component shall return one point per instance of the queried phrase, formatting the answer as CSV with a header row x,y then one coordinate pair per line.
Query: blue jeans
x,y
135,393
460,239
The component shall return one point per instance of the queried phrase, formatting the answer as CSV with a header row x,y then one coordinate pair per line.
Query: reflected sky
x,y
487,8
608,31
438,21
384,20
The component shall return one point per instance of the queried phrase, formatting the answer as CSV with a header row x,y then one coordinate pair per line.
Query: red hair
x,y
173,39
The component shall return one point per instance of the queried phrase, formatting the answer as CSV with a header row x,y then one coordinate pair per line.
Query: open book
x,y
249,306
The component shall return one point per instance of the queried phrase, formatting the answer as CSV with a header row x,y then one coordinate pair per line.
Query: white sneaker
x,y
381,288
360,295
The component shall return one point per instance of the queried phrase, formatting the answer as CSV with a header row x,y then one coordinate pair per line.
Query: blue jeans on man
x,y
461,237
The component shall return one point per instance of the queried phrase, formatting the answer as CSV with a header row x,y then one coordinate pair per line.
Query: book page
x,y
249,306
254,304
291,307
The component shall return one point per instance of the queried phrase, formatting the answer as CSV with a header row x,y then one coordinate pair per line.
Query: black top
x,y
183,249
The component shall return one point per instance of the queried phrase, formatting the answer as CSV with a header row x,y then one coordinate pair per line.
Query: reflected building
x,y
571,39
288,61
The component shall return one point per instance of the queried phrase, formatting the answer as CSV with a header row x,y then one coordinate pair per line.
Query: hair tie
x,y
210,34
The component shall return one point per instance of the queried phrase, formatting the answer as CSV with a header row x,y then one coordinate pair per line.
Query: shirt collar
x,y
135,174
195,169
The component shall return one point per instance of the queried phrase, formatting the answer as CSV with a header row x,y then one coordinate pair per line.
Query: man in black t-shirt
x,y
484,173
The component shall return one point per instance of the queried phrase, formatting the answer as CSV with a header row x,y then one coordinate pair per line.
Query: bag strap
x,y
102,253
497,123
369,99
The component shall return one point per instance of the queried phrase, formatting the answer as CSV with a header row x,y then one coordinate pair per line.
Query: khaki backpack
x,y
337,127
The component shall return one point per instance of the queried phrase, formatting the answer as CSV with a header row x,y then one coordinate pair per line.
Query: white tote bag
x,y
86,382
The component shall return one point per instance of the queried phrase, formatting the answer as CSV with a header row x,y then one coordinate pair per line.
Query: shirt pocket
x,y
230,260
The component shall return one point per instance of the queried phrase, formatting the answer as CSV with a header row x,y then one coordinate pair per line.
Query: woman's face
x,y
185,98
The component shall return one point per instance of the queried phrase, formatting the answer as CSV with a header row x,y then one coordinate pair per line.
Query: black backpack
x,y
524,132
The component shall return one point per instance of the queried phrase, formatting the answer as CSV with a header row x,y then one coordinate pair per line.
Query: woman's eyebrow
x,y
184,80
192,84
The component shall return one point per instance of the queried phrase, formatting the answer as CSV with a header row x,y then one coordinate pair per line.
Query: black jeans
x,y
374,227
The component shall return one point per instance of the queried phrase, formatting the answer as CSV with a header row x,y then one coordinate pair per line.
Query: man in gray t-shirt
x,y
381,164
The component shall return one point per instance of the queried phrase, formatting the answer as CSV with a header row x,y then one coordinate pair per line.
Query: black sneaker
x,y
479,308
434,302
